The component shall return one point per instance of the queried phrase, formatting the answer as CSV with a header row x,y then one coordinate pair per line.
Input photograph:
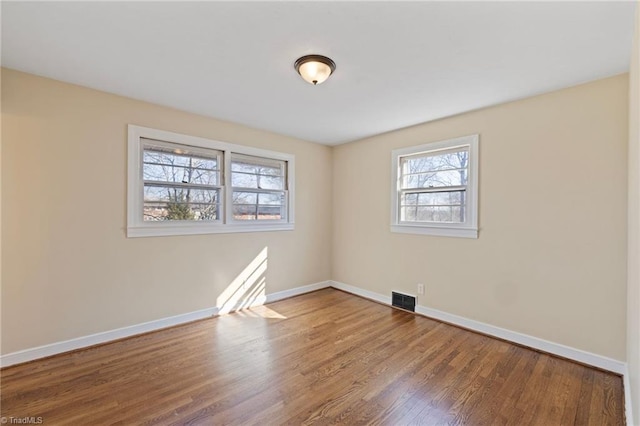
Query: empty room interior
x,y
320,213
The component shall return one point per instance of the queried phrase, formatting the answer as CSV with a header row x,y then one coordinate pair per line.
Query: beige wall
x,y
68,269
550,260
633,267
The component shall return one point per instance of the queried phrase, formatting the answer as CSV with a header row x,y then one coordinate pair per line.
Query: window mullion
x,y
158,183
424,172
228,205
258,190
434,189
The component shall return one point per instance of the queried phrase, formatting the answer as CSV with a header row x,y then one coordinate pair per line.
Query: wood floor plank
x,y
326,357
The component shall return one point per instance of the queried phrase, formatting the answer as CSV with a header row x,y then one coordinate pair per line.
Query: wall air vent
x,y
403,301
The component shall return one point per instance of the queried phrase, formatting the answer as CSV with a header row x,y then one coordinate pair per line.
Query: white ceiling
x,y
398,64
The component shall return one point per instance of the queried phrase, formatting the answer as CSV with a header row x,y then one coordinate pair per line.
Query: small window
x,y
259,188
179,185
435,188
180,182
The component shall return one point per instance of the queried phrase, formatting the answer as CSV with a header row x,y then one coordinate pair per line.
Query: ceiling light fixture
x,y
315,68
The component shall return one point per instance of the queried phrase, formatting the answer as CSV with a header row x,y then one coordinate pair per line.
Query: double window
x,y
181,184
435,188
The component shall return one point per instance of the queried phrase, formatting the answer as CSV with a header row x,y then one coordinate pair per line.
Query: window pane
x,y
440,198
152,155
437,162
244,180
270,182
247,167
438,214
256,172
258,206
166,203
169,167
245,197
244,211
237,166
411,198
155,211
248,212
408,214
188,195
161,173
442,214
435,179
270,212
275,199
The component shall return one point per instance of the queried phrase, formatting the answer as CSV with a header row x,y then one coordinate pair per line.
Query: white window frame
x,y
164,145
229,199
137,227
466,229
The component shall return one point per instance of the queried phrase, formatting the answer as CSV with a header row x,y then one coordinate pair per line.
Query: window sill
x,y
164,230
441,231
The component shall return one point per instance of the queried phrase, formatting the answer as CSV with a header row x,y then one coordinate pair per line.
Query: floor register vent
x,y
403,301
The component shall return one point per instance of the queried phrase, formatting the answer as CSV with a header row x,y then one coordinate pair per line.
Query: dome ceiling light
x,y
315,69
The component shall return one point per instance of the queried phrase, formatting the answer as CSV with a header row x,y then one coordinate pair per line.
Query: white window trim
x,y
229,195
137,227
468,229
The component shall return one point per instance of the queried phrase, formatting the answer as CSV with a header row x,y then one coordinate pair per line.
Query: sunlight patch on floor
x,y
248,288
260,312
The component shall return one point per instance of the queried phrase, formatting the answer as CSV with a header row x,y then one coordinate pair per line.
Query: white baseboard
x,y
558,349
103,337
111,335
599,361
362,292
273,297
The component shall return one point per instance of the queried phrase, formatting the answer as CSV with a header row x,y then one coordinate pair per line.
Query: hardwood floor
x,y
326,357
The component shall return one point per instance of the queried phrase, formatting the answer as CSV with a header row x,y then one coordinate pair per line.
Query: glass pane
x,y
437,162
269,212
410,199
237,166
154,172
154,211
165,203
440,198
167,167
275,199
255,172
184,160
441,214
180,195
435,179
244,211
254,168
257,206
245,197
244,180
270,182
408,214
